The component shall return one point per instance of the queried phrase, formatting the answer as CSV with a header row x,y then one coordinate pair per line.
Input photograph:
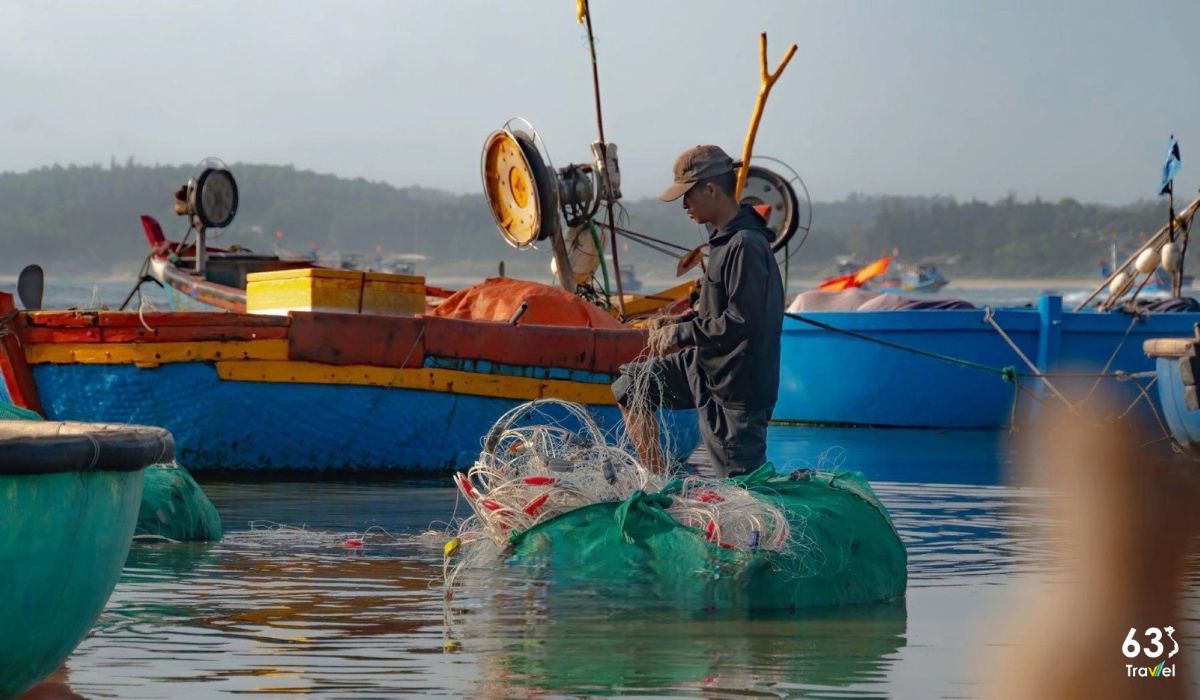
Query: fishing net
x,y
552,492
174,507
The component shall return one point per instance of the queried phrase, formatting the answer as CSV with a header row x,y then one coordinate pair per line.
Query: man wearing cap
x,y
725,361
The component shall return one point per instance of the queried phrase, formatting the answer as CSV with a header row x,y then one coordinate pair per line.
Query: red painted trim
x,y
614,348
131,319
17,376
37,335
353,339
188,318
168,334
346,339
527,345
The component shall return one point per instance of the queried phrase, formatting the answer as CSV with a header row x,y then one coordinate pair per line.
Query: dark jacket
x,y
740,316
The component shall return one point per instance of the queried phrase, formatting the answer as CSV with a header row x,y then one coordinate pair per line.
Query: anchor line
x,y
989,316
1008,373
1132,322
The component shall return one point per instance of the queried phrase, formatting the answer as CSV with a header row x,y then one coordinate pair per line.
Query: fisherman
x,y
722,359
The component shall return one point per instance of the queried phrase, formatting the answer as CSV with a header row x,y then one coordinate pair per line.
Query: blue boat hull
x,y
1183,422
831,378
250,426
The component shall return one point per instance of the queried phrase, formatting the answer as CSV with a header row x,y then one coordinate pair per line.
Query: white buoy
x,y
1147,261
1172,259
1120,284
581,253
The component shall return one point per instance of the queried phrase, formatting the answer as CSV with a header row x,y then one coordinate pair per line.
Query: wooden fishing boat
x,y
319,391
306,368
299,367
979,367
69,499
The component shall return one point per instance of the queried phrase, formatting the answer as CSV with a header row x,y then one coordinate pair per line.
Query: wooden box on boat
x,y
308,289
339,291
385,293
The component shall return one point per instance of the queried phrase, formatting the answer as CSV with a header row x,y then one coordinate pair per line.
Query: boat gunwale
x,y
29,448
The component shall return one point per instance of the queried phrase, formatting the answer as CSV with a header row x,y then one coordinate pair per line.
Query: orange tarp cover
x,y
498,298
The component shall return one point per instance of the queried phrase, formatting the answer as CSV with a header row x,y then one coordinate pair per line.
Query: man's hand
x,y
661,341
661,322
669,320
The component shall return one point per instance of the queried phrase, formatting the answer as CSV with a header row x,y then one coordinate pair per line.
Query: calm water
x,y
288,612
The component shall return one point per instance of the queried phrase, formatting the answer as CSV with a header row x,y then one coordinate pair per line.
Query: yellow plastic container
x,y
307,289
385,293
338,291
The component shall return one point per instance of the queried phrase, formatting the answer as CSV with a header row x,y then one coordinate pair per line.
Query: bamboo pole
x,y
1183,217
766,82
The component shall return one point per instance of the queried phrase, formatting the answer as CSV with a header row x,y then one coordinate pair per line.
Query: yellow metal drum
x,y
518,185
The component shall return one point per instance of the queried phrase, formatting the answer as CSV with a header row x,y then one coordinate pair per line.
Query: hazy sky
x,y
958,97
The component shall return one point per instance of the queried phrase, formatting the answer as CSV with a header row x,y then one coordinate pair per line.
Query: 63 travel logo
x,y
1152,647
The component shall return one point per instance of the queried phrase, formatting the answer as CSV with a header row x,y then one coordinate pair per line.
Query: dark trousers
x,y
736,439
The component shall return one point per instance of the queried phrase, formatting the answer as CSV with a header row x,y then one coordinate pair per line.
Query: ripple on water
x,y
293,611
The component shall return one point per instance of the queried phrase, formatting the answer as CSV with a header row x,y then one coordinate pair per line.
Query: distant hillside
x,y
83,220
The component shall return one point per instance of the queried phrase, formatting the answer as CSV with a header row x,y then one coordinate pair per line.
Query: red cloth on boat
x,y
498,298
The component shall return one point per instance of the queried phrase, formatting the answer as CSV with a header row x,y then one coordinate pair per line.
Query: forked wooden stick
x,y
766,82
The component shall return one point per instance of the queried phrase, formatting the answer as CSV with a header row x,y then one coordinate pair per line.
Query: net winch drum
x,y
211,196
526,195
764,186
519,187
209,200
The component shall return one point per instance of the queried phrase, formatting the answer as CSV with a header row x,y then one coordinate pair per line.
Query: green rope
x,y
600,252
1008,374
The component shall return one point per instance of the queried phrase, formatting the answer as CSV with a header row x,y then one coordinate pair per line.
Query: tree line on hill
x,y
83,220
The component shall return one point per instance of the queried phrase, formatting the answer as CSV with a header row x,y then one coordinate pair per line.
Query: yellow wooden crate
x,y
306,289
385,293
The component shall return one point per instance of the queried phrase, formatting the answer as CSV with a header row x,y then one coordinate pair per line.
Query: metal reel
x,y
519,187
787,214
214,199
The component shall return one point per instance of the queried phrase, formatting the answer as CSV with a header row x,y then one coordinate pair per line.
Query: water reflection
x,y
895,454
576,654
296,612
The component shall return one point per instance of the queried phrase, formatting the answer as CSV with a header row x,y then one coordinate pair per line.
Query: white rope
x,y
1033,369
549,457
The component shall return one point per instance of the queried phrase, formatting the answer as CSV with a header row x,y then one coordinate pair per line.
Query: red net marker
x,y
536,504
465,484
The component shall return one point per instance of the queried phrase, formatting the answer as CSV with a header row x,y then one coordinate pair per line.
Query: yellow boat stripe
x,y
426,379
154,354
266,361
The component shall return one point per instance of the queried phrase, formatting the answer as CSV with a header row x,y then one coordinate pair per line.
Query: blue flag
x,y
1171,166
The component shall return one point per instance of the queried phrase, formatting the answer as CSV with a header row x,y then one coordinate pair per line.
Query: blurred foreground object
x,y
1123,524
